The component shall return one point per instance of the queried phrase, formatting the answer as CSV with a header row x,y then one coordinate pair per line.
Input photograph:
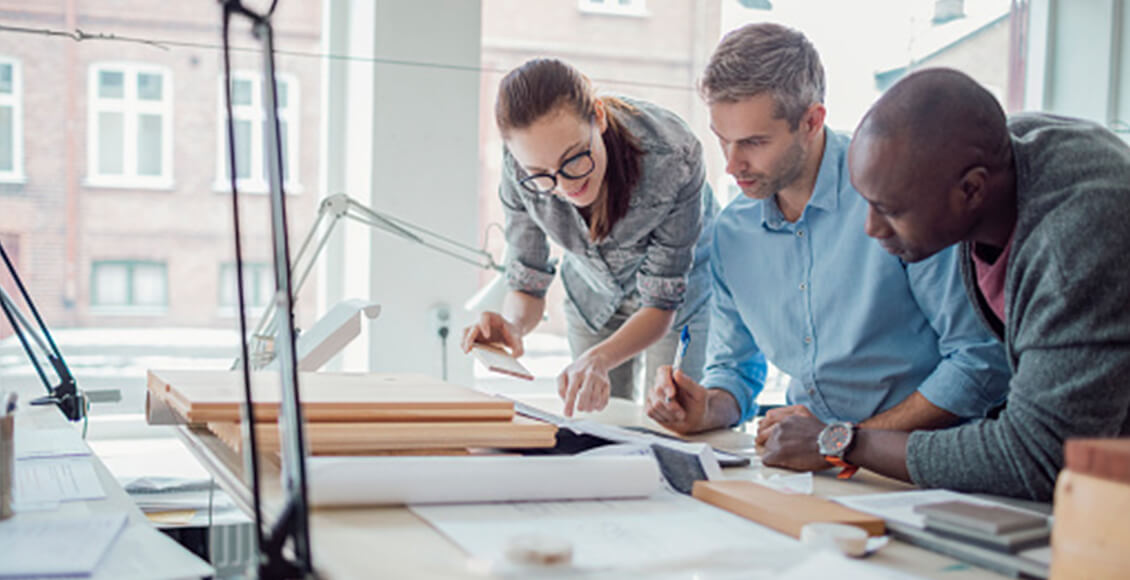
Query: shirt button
x,y
800,233
808,340
811,391
803,286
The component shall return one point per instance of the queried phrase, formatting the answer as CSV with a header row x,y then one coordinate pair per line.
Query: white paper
x,y
41,482
56,546
796,483
899,506
405,480
655,534
826,564
42,443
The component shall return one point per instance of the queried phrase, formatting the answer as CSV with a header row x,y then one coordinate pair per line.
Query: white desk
x,y
393,542
140,552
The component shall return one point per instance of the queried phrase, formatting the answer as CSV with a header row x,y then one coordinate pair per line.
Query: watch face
x,y
835,438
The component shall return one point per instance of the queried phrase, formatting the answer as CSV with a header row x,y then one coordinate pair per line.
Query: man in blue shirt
x,y
865,337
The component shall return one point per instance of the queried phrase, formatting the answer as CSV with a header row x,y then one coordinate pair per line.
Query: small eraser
x,y
539,550
845,539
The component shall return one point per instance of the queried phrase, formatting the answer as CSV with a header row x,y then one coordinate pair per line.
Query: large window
x,y
130,126
11,122
250,116
128,285
258,285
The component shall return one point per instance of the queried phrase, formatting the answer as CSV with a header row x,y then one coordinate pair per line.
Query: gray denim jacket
x,y
656,254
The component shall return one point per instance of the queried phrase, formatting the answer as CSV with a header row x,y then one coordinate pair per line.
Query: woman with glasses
x,y
620,185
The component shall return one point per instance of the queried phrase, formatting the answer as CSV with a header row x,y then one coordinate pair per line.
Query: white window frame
x,y
632,8
16,102
256,269
256,114
130,107
128,309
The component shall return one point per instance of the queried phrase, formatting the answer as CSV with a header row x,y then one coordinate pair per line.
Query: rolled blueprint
x,y
336,481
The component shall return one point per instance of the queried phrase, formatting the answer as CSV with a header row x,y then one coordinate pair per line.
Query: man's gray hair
x,y
765,58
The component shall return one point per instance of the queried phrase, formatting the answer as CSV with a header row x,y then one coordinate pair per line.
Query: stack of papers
x,y
56,546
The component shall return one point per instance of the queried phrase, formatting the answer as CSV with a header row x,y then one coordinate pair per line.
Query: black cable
x,y
443,332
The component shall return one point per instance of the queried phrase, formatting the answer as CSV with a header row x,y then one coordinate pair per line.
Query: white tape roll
x,y
848,540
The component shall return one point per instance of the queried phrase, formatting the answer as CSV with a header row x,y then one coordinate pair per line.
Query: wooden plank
x,y
787,513
210,395
361,438
1105,458
1091,530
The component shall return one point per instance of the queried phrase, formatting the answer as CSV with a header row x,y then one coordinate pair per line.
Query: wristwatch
x,y
835,440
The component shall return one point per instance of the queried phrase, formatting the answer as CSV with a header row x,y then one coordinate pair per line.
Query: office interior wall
x,y
410,135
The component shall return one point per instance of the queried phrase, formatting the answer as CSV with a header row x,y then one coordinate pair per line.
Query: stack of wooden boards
x,y
352,413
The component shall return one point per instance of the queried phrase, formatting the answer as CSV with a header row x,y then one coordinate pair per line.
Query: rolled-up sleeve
x,y
972,376
662,279
734,362
527,255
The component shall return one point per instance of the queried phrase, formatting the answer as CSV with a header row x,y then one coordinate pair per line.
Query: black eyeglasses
x,y
578,166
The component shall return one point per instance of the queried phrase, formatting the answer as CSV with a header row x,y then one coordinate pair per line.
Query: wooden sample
x,y
1105,458
1091,530
365,438
785,512
210,395
498,360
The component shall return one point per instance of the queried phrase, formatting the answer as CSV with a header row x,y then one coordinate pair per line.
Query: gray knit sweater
x,y
1067,303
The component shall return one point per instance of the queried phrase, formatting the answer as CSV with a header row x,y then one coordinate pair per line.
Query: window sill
x,y
630,13
158,184
13,179
255,312
255,187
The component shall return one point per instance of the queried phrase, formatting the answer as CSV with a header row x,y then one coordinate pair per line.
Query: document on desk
x,y
899,506
657,534
41,443
33,546
43,483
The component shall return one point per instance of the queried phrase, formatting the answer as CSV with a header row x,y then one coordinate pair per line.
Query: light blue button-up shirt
x,y
856,329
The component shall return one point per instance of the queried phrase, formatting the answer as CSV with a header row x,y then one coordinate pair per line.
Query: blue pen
x,y
684,340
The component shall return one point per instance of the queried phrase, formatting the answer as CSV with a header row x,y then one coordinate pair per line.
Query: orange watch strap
x,y
849,469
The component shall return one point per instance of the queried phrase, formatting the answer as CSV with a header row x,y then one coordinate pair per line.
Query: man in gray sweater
x,y
1041,207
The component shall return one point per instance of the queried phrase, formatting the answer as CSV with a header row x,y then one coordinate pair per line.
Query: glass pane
x,y
110,285
7,146
227,285
149,285
111,84
241,92
264,285
149,86
283,128
6,78
149,145
110,144
242,149
283,96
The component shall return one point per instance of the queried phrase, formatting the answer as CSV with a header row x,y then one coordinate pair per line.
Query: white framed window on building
x,y
622,7
11,122
130,126
250,122
258,285
129,286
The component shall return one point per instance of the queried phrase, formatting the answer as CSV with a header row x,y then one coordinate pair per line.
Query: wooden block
x,y
206,396
364,438
1105,458
1091,531
787,513
497,360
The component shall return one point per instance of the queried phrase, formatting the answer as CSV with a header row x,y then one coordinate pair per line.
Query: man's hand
x,y
793,444
677,402
584,384
493,328
774,416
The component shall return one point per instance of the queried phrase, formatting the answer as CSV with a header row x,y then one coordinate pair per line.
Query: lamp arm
x,y
331,211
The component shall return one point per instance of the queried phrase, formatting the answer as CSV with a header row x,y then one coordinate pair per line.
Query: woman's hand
x,y
493,328
584,385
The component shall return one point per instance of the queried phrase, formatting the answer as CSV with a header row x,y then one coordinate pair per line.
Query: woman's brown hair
x,y
539,87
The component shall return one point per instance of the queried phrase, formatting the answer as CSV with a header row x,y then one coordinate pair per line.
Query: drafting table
x,y
140,551
393,542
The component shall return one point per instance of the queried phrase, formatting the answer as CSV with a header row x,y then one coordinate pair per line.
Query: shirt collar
x,y
826,191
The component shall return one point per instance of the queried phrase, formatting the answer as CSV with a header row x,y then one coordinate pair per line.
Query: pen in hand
x,y
684,340
10,402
